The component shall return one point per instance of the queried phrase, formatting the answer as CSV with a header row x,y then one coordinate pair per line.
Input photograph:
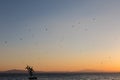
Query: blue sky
x,y
70,32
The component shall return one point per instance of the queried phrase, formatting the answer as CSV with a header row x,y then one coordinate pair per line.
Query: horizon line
x,y
80,71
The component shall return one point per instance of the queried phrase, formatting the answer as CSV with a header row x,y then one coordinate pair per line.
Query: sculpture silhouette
x,y
30,70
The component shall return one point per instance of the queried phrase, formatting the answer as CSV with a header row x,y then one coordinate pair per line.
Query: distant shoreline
x,y
61,73
15,71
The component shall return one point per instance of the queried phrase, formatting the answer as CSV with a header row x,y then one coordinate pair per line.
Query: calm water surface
x,y
51,76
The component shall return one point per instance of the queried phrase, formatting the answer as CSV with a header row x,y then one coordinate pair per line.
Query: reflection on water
x,y
64,77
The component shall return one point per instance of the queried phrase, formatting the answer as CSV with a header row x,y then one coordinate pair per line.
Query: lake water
x,y
53,76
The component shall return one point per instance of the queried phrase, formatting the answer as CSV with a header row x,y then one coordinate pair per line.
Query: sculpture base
x,y
32,78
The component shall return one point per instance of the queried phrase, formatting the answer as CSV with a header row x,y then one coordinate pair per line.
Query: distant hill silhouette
x,y
19,71
89,71
14,71
24,71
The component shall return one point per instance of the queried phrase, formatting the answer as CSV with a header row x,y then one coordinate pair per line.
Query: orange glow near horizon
x,y
69,67
78,62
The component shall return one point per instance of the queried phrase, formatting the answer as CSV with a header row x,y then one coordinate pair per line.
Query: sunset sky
x,y
60,35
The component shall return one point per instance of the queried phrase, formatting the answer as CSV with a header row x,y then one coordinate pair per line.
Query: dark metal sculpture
x,y
30,71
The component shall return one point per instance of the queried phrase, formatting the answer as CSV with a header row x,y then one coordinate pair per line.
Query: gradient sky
x,y
60,35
